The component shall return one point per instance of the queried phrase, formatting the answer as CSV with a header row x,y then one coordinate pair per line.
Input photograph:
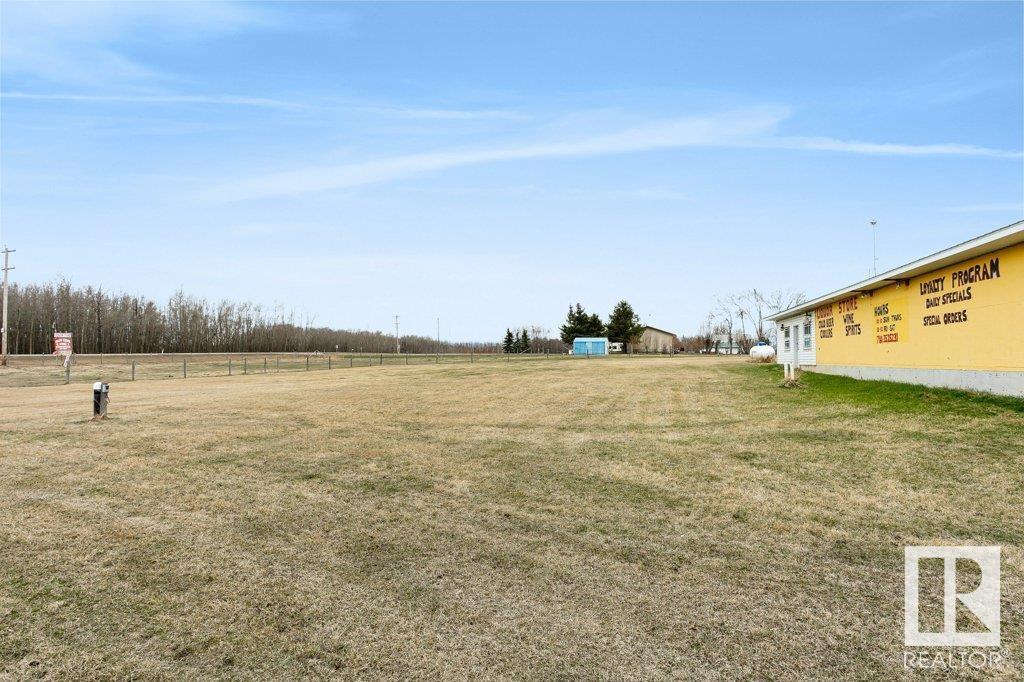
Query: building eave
x,y
1002,238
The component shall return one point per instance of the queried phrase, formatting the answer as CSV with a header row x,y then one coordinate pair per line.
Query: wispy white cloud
x,y
81,43
747,128
360,270
461,191
728,128
827,144
653,193
158,99
272,103
1017,206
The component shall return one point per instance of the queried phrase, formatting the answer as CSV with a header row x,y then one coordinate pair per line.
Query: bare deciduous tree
x,y
755,305
706,333
726,311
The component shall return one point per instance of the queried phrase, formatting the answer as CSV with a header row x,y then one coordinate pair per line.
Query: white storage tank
x,y
762,352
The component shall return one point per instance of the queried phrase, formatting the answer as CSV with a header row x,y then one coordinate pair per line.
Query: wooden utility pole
x,y
398,344
7,268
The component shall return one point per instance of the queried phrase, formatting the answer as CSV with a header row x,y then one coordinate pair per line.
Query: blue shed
x,y
590,345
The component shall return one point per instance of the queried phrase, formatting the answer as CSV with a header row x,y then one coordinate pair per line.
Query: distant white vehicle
x,y
616,347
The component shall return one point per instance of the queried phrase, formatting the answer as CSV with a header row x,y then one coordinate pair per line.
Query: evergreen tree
x,y
517,342
592,326
570,330
508,345
524,342
579,323
624,324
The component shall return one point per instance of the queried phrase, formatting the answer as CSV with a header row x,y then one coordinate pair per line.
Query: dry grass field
x,y
621,518
48,370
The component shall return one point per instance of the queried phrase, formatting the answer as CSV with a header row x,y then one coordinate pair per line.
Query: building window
x,y
807,334
785,337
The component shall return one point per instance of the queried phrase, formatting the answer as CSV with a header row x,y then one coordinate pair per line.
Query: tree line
x,y
104,322
516,342
534,339
623,324
738,320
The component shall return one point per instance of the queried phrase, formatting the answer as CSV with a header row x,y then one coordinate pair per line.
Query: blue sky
x,y
490,164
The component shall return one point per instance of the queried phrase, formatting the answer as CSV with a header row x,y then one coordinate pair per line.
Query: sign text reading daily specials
x,y
957,288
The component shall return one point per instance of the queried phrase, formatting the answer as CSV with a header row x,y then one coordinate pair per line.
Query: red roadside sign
x,y
62,343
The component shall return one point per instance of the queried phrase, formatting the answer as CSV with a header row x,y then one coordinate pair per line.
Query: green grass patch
x,y
884,396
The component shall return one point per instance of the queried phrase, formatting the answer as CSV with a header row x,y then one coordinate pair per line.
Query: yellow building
x,y
953,319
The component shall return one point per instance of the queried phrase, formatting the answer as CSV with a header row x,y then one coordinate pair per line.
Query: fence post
x,y
229,366
278,359
245,365
407,358
184,368
381,358
67,373
307,363
328,362
471,360
349,360
133,370
264,364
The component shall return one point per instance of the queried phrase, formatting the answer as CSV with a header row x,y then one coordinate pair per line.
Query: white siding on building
x,y
802,345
